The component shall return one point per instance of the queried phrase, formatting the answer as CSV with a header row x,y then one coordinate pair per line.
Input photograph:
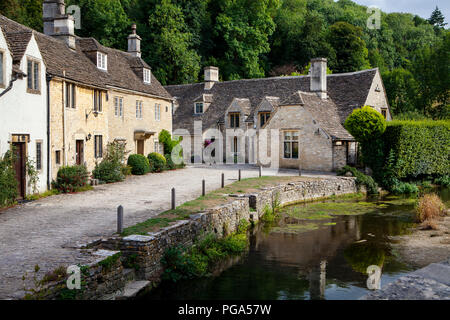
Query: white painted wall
x,y
25,113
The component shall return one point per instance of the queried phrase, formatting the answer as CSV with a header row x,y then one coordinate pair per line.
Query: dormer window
x,y
199,107
147,76
102,61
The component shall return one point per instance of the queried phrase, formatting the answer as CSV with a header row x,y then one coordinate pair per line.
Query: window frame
x,y
233,116
118,106
157,112
102,61
58,157
39,155
139,109
384,113
35,81
266,116
97,99
147,76
2,68
98,146
71,95
291,141
195,107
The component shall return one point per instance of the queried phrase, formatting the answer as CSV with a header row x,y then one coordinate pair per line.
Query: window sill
x,y
30,91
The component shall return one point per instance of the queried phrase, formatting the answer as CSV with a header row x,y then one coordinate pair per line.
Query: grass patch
x,y
295,228
45,194
210,200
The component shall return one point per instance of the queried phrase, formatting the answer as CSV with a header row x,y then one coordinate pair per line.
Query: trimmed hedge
x,y
157,162
71,178
421,148
139,164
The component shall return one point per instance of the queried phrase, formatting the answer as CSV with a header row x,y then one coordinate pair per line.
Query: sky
x,y
422,8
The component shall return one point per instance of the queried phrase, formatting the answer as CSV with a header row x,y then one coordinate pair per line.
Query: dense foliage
x,y
71,179
8,182
139,164
365,124
256,38
112,168
361,179
157,162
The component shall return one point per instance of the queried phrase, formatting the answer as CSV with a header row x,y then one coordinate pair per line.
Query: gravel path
x,y
47,232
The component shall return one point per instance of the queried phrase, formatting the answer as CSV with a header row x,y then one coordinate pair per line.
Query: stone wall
x,y
143,253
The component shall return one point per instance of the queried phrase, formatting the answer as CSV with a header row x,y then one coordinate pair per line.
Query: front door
x,y
80,152
19,164
140,147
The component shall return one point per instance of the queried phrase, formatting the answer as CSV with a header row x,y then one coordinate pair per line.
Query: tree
x,y
401,89
437,19
171,54
365,124
350,48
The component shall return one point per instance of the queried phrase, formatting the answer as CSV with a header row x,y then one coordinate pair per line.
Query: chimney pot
x,y
134,42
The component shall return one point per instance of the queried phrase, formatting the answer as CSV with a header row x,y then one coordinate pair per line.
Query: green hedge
x,y
71,179
8,182
421,148
157,162
139,164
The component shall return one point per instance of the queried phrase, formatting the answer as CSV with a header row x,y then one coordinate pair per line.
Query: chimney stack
x,y
211,77
57,23
134,42
318,76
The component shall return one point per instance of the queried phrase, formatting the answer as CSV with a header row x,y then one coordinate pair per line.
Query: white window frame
x,y
157,112
156,146
195,107
34,76
102,61
118,107
291,140
39,155
139,108
147,75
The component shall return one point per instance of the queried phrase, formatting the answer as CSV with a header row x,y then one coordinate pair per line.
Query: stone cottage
x,y
95,94
306,112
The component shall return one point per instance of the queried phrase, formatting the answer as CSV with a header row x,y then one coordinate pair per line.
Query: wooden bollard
x,y
299,170
239,175
260,171
119,219
203,187
173,199
223,180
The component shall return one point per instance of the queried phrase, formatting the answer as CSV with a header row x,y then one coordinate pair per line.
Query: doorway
x,y
140,147
80,152
19,166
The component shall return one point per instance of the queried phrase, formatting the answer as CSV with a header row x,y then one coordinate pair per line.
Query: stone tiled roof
x,y
18,42
346,91
76,65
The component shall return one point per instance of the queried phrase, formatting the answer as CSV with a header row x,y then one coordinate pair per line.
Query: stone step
x,y
132,289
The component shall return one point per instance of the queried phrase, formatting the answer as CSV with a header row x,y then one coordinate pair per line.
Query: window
x,y
234,120
118,107
33,76
97,100
157,146
167,109
39,155
70,95
384,113
263,117
147,76
291,145
102,61
2,77
98,146
199,107
138,109
58,157
157,112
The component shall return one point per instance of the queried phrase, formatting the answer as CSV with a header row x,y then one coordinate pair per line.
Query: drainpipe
x,y
48,78
11,83
64,118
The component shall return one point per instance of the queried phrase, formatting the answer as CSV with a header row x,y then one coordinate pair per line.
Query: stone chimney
x,y
134,42
211,77
318,76
57,23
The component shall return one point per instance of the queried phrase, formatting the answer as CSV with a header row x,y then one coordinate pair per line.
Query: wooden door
x,y
20,155
140,147
80,152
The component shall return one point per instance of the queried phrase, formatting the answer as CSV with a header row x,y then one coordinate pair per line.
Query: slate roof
x,y
346,91
76,65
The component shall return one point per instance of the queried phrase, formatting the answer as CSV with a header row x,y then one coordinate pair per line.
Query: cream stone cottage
x,y
308,113
93,94
23,96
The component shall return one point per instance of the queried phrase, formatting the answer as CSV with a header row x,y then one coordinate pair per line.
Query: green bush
x,y
404,188
126,170
139,164
169,163
443,181
365,124
421,148
157,162
8,182
108,172
361,179
71,179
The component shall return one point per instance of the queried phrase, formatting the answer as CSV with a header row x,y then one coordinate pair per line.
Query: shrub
x,y
71,179
361,179
157,162
108,172
139,164
365,124
126,170
169,163
8,182
404,188
430,207
443,181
